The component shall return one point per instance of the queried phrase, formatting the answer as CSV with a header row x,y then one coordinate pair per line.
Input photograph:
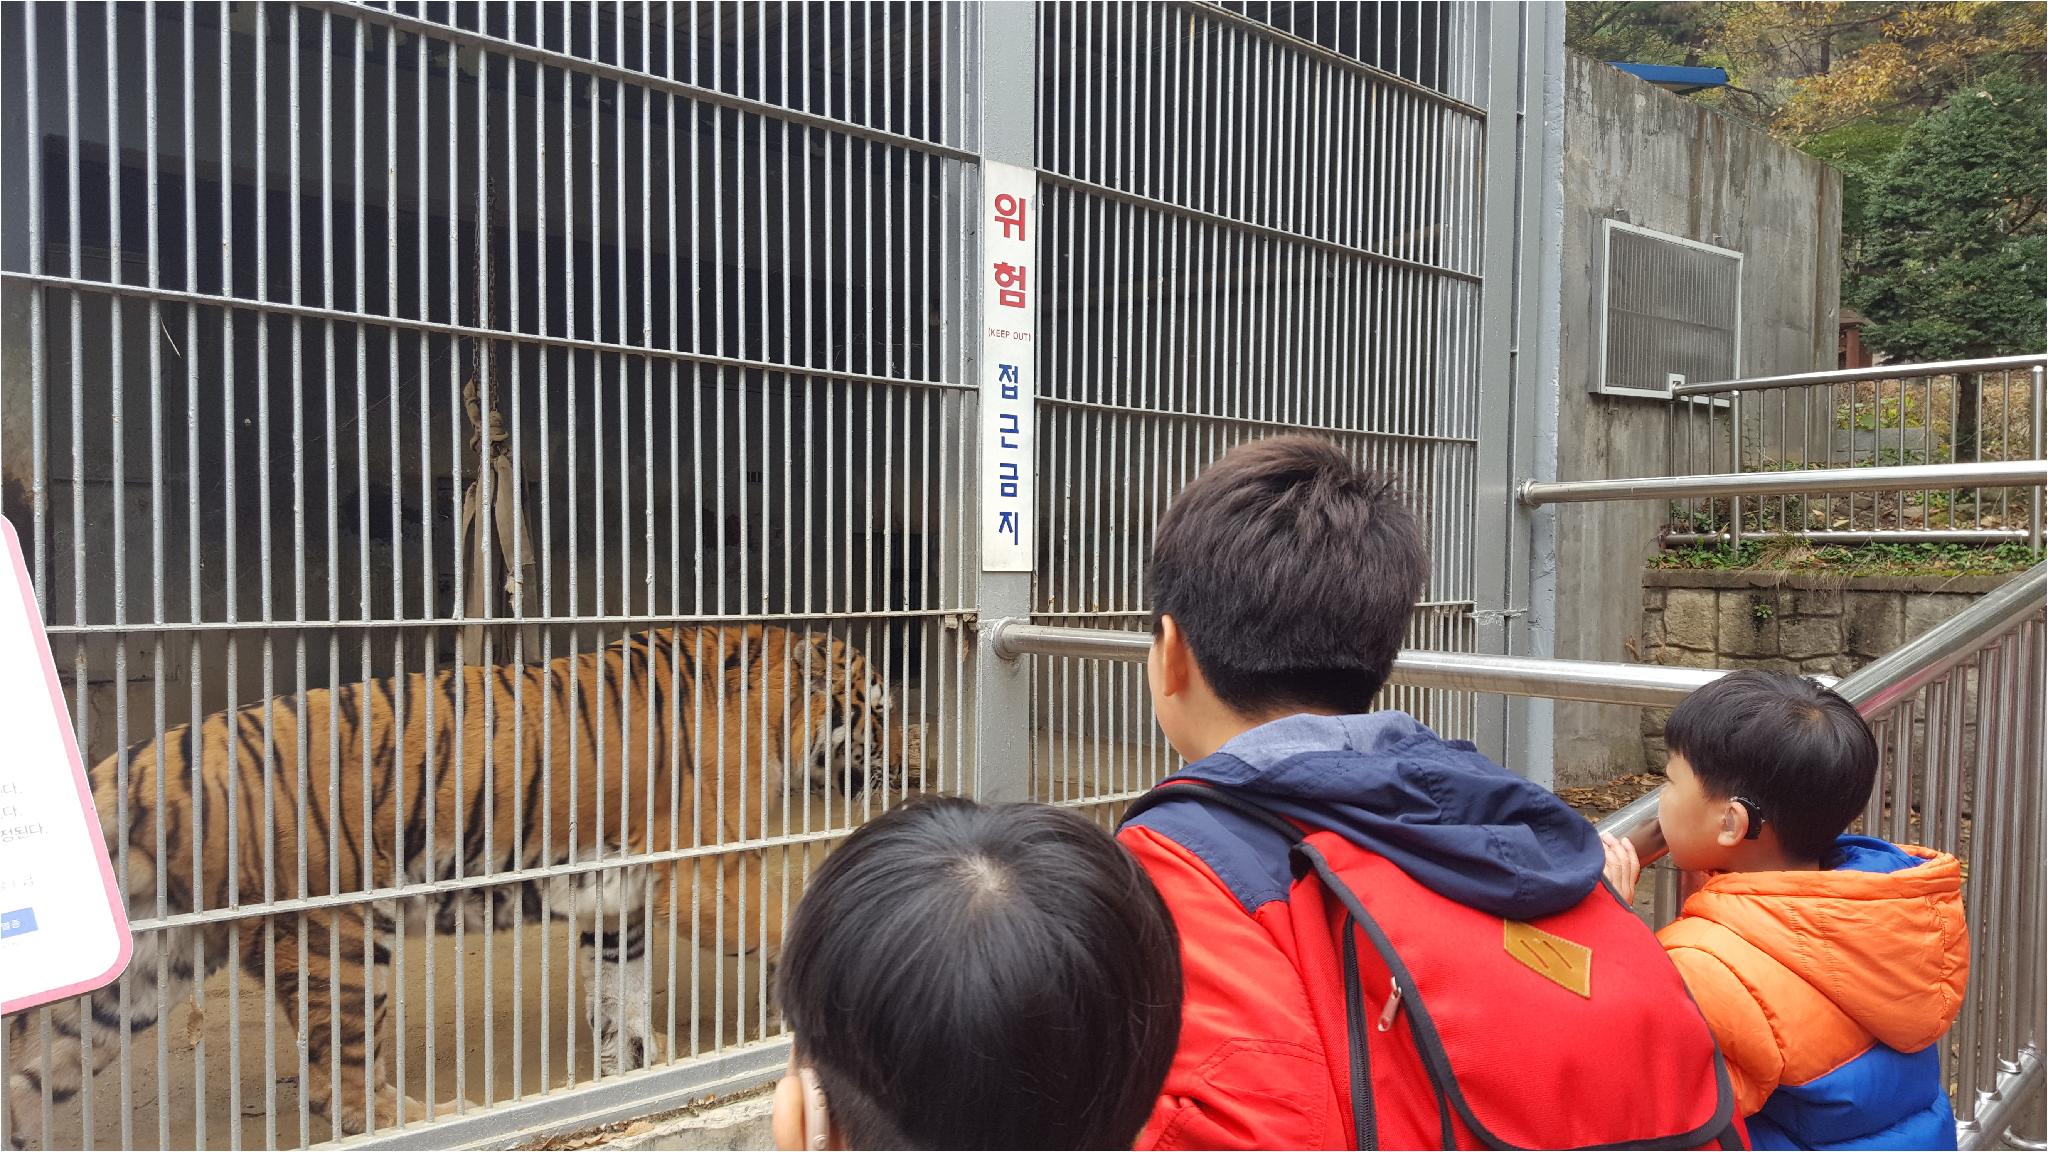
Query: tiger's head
x,y
852,742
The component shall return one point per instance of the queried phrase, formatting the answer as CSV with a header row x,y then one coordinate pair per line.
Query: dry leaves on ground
x,y
1600,799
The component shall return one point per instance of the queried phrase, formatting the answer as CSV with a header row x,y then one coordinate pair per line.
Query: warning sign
x,y
1009,367
63,924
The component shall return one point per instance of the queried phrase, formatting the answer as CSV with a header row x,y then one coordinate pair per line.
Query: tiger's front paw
x,y
630,1046
392,1109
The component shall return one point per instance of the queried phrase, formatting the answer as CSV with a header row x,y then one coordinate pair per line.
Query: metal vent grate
x,y
1671,312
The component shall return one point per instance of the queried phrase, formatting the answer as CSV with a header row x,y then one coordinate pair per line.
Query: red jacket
x,y
1250,1072
1254,1068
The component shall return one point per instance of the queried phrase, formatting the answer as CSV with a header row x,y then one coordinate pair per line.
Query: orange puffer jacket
x,y
1828,990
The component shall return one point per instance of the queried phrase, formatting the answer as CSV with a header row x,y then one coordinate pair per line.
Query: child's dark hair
x,y
963,976
1292,572
1800,751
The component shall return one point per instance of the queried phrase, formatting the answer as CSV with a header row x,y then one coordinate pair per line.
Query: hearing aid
x,y
817,1118
1755,813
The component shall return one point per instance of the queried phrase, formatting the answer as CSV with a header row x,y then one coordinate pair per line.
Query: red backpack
x,y
1464,1030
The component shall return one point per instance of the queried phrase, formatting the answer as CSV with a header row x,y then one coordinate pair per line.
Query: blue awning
x,y
1676,77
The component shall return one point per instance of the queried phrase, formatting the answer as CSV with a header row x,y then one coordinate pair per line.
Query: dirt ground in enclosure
x,y
725,996
466,1054
494,1011
1094,773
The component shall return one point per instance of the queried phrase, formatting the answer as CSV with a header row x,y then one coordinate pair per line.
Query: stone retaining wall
x,y
1789,621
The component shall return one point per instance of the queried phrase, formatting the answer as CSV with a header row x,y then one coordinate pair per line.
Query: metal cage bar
x,y
1257,220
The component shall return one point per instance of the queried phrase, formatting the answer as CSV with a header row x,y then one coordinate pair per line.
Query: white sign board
x,y
1011,283
63,924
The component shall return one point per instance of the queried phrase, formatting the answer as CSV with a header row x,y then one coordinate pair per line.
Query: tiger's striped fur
x,y
527,766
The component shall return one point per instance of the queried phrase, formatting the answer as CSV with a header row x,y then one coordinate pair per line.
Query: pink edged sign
x,y
63,924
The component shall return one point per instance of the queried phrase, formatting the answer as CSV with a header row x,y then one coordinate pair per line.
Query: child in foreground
x,y
969,976
1828,965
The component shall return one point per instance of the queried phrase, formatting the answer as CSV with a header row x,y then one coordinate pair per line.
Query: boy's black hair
x,y
1800,751
963,976
1292,572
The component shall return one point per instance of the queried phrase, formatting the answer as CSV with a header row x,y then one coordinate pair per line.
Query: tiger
x,y
755,712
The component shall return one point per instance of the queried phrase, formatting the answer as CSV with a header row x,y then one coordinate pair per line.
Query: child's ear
x,y
1734,827
786,1121
1175,660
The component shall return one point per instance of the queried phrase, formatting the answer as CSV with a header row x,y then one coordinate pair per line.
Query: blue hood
x,y
1868,854
1453,820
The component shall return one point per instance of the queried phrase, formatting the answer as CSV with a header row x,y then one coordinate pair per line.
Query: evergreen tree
x,y
1952,260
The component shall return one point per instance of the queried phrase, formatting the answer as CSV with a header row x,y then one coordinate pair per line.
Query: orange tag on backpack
x,y
1564,963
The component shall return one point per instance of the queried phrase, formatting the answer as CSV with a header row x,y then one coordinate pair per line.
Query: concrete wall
x,y
1811,622
1635,153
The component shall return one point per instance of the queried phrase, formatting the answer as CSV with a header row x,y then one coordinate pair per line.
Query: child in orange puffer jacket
x,y
1827,965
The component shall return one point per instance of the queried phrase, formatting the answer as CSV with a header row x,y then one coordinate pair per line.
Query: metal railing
x,y
1957,713
1911,477
1647,686
1937,413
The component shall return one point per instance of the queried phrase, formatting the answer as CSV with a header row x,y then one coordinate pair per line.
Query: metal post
x,y
1006,89
1514,549
1735,462
2037,402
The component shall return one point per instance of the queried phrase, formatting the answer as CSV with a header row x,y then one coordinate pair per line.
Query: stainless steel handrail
x,y
1871,689
1643,685
1855,375
1874,689
2017,1083
1862,536
1899,478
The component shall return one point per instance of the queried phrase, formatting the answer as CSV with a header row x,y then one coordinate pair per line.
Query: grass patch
x,y
1859,560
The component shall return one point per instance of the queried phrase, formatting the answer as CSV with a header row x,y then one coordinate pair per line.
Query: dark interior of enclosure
x,y
640,267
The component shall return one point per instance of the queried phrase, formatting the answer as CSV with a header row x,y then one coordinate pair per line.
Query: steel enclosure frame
x,y
1516,547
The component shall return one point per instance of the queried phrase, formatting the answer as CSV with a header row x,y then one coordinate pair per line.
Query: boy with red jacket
x,y
1386,939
